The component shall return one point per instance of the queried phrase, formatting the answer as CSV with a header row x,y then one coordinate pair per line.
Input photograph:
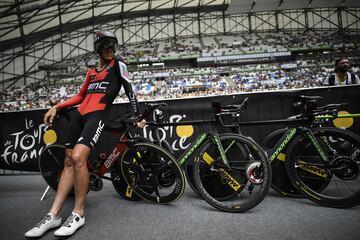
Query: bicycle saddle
x,y
157,105
230,108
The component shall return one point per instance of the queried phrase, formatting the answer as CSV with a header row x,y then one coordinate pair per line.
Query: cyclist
x,y
95,98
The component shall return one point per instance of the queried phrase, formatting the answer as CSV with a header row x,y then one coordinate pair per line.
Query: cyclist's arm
x,y
124,77
78,98
51,113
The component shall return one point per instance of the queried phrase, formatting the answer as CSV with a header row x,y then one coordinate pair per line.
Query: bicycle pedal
x,y
95,183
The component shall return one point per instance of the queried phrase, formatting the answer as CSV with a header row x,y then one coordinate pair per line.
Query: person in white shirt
x,y
341,75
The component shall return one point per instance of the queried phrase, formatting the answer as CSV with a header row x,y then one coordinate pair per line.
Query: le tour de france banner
x,y
24,135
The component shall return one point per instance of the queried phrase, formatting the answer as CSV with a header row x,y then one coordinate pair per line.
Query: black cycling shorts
x,y
86,129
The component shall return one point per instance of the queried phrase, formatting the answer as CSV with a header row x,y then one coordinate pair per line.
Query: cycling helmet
x,y
104,39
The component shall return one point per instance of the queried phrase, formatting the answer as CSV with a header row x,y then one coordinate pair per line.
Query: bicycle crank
x,y
95,182
166,177
255,173
345,168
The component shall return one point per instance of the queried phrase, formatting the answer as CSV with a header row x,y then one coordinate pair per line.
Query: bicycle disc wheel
x,y
152,173
51,164
339,175
121,186
242,184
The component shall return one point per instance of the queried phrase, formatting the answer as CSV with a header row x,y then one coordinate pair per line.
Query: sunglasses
x,y
108,44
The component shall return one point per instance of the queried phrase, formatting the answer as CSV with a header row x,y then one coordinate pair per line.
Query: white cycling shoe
x,y
73,223
49,221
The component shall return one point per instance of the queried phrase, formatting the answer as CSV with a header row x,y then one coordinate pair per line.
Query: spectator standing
x,y
341,75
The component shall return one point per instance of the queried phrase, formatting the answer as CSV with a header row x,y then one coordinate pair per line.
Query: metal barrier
x,y
23,135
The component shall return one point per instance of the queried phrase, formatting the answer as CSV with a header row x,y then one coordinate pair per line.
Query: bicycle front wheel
x,y
239,185
51,164
152,173
339,175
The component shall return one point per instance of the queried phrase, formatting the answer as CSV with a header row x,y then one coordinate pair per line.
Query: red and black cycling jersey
x,y
101,88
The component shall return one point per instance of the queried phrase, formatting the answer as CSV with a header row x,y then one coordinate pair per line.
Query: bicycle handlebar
x,y
232,110
130,119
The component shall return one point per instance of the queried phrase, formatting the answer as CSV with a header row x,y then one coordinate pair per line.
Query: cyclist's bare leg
x,y
65,185
79,158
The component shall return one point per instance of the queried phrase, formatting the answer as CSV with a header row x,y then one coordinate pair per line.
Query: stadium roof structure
x,y
248,6
44,37
27,21
24,22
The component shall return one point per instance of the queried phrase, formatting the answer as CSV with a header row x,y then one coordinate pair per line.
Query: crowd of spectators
x,y
183,82
221,45
207,81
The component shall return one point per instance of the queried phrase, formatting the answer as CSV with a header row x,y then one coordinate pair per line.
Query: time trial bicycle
x,y
159,179
322,164
323,115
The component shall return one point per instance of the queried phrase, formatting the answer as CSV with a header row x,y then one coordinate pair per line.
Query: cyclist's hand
x,y
140,124
49,116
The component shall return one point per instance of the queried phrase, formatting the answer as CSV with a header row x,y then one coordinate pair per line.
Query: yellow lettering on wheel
x,y
313,169
207,158
229,180
129,191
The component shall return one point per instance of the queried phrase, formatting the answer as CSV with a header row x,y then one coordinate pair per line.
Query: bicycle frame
x,y
199,141
287,138
195,144
111,159
291,133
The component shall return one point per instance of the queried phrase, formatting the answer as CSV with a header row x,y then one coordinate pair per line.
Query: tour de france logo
x,y
176,136
26,142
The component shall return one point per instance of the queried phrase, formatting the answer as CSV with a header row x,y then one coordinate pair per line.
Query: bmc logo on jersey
x,y
96,86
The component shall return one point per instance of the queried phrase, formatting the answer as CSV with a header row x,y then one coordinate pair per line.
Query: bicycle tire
x,y
242,193
189,174
187,168
120,185
152,173
280,181
342,149
51,164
